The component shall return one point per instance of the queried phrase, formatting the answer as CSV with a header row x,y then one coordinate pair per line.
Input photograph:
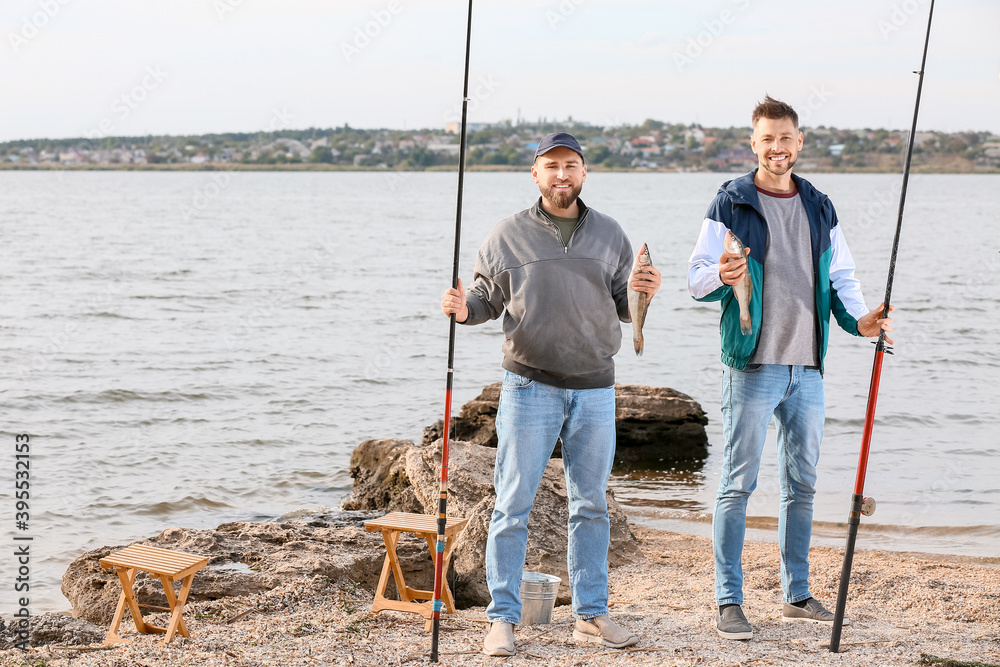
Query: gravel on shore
x,y
905,609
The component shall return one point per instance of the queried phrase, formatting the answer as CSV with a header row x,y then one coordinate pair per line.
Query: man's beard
x,y
789,163
562,199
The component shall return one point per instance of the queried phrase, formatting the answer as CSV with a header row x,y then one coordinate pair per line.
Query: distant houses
x,y
455,127
652,145
734,159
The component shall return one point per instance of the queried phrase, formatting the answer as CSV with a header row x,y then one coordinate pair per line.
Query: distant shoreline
x,y
222,166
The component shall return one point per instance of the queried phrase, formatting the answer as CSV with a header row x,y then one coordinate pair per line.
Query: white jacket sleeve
x,y
842,278
703,266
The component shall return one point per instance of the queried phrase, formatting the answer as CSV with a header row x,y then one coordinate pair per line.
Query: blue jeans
x,y
530,418
794,396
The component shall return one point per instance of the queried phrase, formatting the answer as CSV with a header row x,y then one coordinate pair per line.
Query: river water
x,y
192,348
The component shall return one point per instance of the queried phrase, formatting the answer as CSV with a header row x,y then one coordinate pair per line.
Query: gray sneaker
x,y
813,612
732,624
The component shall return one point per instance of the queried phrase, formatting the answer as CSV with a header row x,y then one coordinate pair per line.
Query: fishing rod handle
x,y
853,521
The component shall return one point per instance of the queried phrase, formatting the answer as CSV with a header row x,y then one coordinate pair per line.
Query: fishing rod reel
x,y
860,505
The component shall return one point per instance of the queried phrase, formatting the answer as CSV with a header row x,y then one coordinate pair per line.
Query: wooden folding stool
x,y
423,525
168,566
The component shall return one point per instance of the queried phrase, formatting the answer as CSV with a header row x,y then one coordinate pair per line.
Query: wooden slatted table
x,y
168,566
423,525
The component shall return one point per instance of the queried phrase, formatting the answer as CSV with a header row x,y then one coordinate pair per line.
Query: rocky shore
x,y
903,607
300,592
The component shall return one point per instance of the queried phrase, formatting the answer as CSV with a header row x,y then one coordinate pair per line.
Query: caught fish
x,y
638,302
744,289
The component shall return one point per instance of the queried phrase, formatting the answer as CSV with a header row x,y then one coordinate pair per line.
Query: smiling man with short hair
x,y
801,271
558,273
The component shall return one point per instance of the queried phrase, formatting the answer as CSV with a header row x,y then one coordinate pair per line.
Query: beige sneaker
x,y
500,640
602,630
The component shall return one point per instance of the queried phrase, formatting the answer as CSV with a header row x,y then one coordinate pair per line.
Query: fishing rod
x,y
859,504
442,520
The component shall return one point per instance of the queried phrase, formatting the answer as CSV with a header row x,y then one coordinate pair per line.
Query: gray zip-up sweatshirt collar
x,y
561,303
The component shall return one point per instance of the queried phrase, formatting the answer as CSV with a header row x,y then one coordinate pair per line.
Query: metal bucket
x,y
538,597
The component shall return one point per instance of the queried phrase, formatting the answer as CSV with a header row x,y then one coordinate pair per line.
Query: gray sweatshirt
x,y
561,303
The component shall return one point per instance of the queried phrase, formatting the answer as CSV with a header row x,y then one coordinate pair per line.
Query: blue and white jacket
x,y
737,208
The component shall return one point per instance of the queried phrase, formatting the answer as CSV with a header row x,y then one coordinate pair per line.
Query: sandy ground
x,y
904,609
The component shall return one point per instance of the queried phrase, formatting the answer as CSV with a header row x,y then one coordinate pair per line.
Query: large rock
x,y
247,558
476,422
51,629
653,424
658,423
396,475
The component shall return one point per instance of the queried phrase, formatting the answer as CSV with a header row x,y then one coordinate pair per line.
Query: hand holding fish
x,y
734,272
873,323
453,303
646,279
642,285
732,267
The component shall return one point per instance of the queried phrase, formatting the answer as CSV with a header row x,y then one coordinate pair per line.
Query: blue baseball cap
x,y
557,139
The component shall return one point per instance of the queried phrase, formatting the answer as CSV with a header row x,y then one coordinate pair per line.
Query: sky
x,y
94,68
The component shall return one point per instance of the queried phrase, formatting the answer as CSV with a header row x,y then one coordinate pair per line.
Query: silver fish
x,y
744,289
638,302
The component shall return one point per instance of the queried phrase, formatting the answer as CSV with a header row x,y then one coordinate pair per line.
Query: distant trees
x,y
598,154
665,144
505,155
321,155
418,158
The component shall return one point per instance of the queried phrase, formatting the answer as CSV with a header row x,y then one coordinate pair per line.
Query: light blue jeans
x,y
530,418
794,396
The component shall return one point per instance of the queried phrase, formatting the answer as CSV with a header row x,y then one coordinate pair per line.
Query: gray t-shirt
x,y
788,332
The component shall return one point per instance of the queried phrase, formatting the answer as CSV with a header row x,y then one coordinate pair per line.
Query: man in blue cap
x,y
558,273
